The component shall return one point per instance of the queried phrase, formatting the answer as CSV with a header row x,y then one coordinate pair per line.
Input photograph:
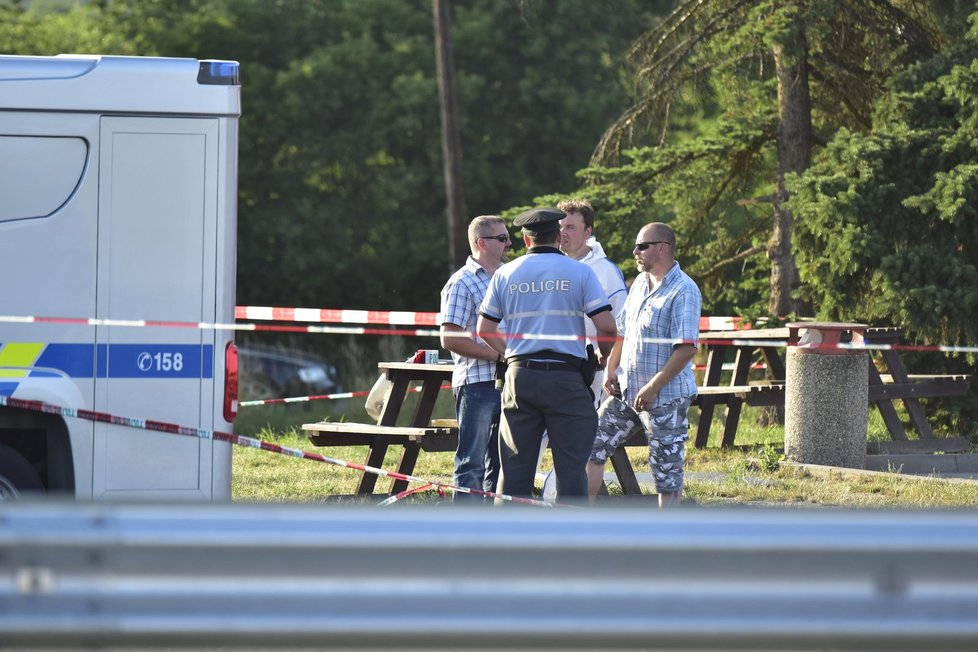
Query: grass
x,y
750,474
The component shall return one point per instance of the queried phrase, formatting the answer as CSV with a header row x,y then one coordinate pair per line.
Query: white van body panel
x,y
118,182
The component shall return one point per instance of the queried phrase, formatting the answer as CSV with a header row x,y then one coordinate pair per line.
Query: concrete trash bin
x,y
826,399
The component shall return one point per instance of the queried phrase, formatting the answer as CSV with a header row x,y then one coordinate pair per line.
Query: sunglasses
x,y
642,246
499,238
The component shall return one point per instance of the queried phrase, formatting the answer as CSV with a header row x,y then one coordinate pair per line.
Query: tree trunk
x,y
451,142
794,155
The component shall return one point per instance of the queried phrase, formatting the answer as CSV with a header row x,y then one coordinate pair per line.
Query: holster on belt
x,y
500,374
590,366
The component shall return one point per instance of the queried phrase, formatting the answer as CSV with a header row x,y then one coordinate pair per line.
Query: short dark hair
x,y
548,238
581,206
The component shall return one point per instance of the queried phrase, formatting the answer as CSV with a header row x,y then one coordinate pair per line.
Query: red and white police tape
x,y
248,442
350,330
336,316
394,318
304,399
320,397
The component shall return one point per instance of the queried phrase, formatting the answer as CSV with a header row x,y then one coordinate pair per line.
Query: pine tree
x,y
821,63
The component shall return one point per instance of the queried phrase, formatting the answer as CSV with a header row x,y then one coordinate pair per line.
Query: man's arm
x,y
488,330
464,345
611,369
607,332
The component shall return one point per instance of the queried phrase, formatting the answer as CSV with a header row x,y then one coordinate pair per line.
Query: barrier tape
x,y
350,330
248,442
727,366
410,492
394,318
338,316
303,399
321,397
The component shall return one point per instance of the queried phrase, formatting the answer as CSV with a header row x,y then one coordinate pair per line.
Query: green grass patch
x,y
749,474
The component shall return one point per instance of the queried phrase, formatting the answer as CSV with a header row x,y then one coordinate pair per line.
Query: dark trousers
x,y
559,403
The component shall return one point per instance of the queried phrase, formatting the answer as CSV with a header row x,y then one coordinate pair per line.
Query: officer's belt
x,y
546,361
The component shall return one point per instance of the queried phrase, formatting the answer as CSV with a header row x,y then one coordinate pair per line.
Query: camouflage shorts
x,y
666,428
617,422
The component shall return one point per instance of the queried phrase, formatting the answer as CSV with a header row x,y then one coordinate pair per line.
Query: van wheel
x,y
16,474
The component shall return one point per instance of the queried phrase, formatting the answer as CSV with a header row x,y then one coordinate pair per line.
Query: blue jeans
x,y
477,407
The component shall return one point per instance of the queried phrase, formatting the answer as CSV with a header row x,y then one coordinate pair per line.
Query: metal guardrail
x,y
76,575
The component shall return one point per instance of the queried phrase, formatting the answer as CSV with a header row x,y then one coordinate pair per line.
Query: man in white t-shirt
x,y
578,242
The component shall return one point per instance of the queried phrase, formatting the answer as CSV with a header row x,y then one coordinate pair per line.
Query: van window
x,y
38,174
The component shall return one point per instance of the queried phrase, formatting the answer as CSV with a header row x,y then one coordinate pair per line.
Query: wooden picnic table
x,y
417,435
747,347
892,384
744,348
740,347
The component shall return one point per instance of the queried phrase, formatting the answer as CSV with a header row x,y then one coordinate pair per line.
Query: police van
x,y
118,190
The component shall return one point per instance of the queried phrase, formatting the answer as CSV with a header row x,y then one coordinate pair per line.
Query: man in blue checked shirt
x,y
660,327
477,401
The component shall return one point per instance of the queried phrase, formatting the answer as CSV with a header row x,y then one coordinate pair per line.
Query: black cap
x,y
539,221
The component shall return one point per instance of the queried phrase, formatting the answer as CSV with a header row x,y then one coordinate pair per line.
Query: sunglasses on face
x,y
642,246
499,238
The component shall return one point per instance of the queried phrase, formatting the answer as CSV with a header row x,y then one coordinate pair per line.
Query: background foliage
x,y
341,192
889,218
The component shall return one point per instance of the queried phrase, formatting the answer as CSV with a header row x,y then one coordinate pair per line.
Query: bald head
x,y
658,231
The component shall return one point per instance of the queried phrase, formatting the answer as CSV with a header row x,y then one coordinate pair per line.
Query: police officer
x,y
541,295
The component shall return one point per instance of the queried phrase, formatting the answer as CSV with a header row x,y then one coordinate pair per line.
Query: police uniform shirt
x,y
544,293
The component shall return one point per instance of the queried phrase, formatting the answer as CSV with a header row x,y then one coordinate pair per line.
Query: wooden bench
x,y
378,439
771,392
755,394
920,386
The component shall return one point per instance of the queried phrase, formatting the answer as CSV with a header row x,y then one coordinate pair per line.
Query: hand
x,y
646,397
611,386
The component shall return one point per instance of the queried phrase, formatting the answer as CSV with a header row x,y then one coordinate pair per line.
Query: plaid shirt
x,y
460,300
671,312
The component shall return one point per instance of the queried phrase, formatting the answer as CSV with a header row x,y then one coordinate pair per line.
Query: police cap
x,y
539,221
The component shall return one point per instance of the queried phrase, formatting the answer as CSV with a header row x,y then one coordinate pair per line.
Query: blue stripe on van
x,y
128,360
76,360
159,360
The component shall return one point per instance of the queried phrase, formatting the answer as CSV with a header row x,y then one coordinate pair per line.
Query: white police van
x,y
118,184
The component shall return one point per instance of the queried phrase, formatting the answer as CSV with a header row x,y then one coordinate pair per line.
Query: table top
x,y
874,333
444,366
747,334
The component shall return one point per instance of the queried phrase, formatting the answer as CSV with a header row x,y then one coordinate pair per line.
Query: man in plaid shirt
x,y
660,327
477,401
